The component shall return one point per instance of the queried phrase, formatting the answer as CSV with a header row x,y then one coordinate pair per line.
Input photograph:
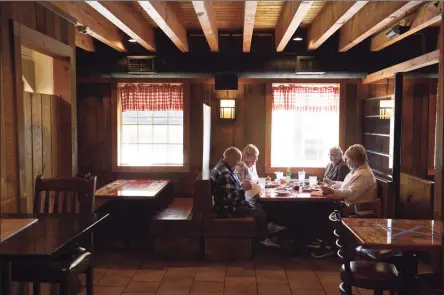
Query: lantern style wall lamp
x,y
386,109
227,109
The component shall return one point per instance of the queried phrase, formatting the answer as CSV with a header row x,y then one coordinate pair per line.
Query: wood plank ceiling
x,y
354,21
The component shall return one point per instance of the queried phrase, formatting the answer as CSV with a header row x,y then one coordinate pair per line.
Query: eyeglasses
x,y
333,155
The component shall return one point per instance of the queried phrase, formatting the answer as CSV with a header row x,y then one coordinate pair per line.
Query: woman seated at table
x,y
359,186
246,171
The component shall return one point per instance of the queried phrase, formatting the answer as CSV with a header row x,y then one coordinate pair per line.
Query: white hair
x,y
231,151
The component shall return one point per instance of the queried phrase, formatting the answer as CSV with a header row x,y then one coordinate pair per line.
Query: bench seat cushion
x,y
176,220
244,227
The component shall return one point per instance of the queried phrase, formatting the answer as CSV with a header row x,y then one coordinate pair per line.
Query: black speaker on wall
x,y
226,82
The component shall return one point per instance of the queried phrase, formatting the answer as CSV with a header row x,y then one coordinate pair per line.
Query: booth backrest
x,y
416,197
386,194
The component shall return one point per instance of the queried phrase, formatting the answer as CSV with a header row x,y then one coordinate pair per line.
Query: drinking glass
x,y
312,180
301,176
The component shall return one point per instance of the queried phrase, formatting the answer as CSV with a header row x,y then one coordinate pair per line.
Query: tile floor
x,y
132,274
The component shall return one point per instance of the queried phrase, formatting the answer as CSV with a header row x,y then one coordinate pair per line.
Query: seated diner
x,y
229,195
337,169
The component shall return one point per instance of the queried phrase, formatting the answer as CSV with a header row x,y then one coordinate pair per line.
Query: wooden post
x,y
396,172
439,151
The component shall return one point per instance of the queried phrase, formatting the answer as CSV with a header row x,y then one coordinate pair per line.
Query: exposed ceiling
x,y
113,23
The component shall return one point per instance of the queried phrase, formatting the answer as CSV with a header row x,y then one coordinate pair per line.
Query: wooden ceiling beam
x,y
422,61
85,42
371,19
207,19
98,26
331,18
426,16
250,8
291,17
124,16
163,15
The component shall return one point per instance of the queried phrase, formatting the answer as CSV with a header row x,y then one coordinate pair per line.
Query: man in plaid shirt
x,y
229,194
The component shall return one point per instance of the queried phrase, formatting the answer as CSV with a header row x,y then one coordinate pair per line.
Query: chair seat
x,y
372,275
77,261
376,254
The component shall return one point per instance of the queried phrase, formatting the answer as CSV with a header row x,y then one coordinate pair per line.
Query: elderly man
x,y
359,186
337,169
229,194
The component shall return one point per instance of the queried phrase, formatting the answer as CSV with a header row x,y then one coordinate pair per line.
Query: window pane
x,y
160,134
129,154
145,154
160,118
160,154
145,117
145,133
175,154
129,117
175,134
129,134
175,118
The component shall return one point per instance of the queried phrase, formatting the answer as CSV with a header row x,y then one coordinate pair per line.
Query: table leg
x,y
408,272
5,268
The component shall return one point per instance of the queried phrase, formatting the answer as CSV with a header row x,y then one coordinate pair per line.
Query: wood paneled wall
x,y
38,18
94,127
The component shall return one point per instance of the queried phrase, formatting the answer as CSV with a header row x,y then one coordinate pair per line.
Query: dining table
x,y
403,235
40,238
290,192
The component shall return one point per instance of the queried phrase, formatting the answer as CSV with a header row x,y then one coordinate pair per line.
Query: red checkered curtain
x,y
306,98
151,97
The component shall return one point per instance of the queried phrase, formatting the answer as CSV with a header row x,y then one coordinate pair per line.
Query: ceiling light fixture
x,y
132,40
298,39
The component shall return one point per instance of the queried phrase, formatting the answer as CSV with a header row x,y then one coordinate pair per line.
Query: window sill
x,y
157,169
294,170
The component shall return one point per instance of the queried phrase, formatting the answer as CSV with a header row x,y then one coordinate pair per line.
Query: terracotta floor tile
x,y
274,289
308,292
330,281
331,264
180,272
174,288
240,270
210,273
116,278
108,290
149,275
98,274
142,287
240,286
271,275
303,280
207,288
298,265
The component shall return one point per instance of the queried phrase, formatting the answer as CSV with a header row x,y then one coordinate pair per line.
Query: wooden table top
x,y
48,235
11,226
400,234
133,188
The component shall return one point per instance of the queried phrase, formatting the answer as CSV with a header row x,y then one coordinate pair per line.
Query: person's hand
x,y
328,181
327,190
247,186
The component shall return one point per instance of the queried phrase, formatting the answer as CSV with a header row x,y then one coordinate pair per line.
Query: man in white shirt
x,y
359,186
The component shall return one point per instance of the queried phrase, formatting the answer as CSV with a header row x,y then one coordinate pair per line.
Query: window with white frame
x,y
304,124
151,125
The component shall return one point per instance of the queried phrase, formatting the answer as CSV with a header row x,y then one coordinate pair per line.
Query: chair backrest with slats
x,y
64,195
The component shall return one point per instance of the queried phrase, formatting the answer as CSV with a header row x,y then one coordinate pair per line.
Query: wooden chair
x,y
61,196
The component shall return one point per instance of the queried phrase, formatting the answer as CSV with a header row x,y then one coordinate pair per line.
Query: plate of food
x,y
271,185
281,192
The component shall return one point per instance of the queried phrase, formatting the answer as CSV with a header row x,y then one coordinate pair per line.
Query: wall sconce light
x,y
228,109
386,109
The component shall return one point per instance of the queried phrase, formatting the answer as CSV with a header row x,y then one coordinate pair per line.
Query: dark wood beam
x,y
331,18
162,13
291,17
396,171
371,19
